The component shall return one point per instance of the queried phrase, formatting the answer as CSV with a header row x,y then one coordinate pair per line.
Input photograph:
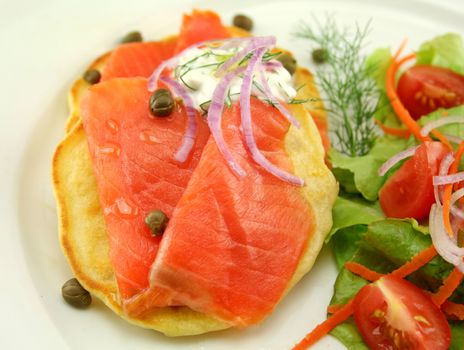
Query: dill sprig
x,y
351,95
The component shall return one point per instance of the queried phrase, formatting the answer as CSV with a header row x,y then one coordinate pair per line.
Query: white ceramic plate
x,y
45,46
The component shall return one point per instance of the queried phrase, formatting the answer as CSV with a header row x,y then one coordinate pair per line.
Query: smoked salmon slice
x,y
132,155
133,152
140,59
137,59
233,244
200,26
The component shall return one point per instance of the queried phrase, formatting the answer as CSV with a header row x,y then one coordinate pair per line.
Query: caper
x,y
132,37
320,56
156,221
75,295
243,22
161,103
288,61
92,76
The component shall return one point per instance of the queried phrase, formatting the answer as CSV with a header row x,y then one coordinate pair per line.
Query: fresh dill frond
x,y
295,101
350,94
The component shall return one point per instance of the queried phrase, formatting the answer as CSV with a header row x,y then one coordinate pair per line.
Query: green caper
x,y
288,61
319,56
161,103
132,37
156,221
75,295
92,76
243,22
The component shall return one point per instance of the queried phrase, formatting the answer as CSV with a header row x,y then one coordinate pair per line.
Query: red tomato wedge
x,y
408,193
423,89
394,314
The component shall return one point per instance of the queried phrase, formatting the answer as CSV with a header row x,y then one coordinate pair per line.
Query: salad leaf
x,y
450,129
348,334
362,172
384,246
346,242
457,336
353,211
444,51
377,64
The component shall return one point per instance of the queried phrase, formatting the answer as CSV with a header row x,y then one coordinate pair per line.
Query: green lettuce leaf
x,y
353,211
360,174
444,51
384,246
457,336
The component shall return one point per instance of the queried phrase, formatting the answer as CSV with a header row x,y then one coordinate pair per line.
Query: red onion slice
x,y
274,101
254,44
448,179
440,122
444,245
215,117
189,137
454,198
396,158
453,138
272,65
247,128
445,164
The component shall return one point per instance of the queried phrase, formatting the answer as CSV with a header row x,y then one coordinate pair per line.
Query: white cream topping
x,y
196,71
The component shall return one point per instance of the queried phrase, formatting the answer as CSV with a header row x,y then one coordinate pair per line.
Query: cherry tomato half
x,y
423,89
394,314
408,193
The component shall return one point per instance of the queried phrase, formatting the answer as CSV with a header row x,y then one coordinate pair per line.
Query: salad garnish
x,y
350,94
404,217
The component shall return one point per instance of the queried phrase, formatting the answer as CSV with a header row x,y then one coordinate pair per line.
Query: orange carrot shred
x,y
400,49
362,271
448,189
325,327
442,138
331,309
416,262
399,132
449,285
456,311
396,104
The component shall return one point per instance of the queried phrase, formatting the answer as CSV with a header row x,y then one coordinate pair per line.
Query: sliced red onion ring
x,y
397,158
444,245
215,116
254,44
448,179
189,137
440,122
445,164
454,198
453,138
247,128
274,101
273,64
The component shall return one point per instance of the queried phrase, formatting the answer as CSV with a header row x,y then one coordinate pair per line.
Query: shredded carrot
x,y
416,262
396,104
331,309
448,189
362,271
449,285
442,138
400,49
399,132
325,327
456,311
